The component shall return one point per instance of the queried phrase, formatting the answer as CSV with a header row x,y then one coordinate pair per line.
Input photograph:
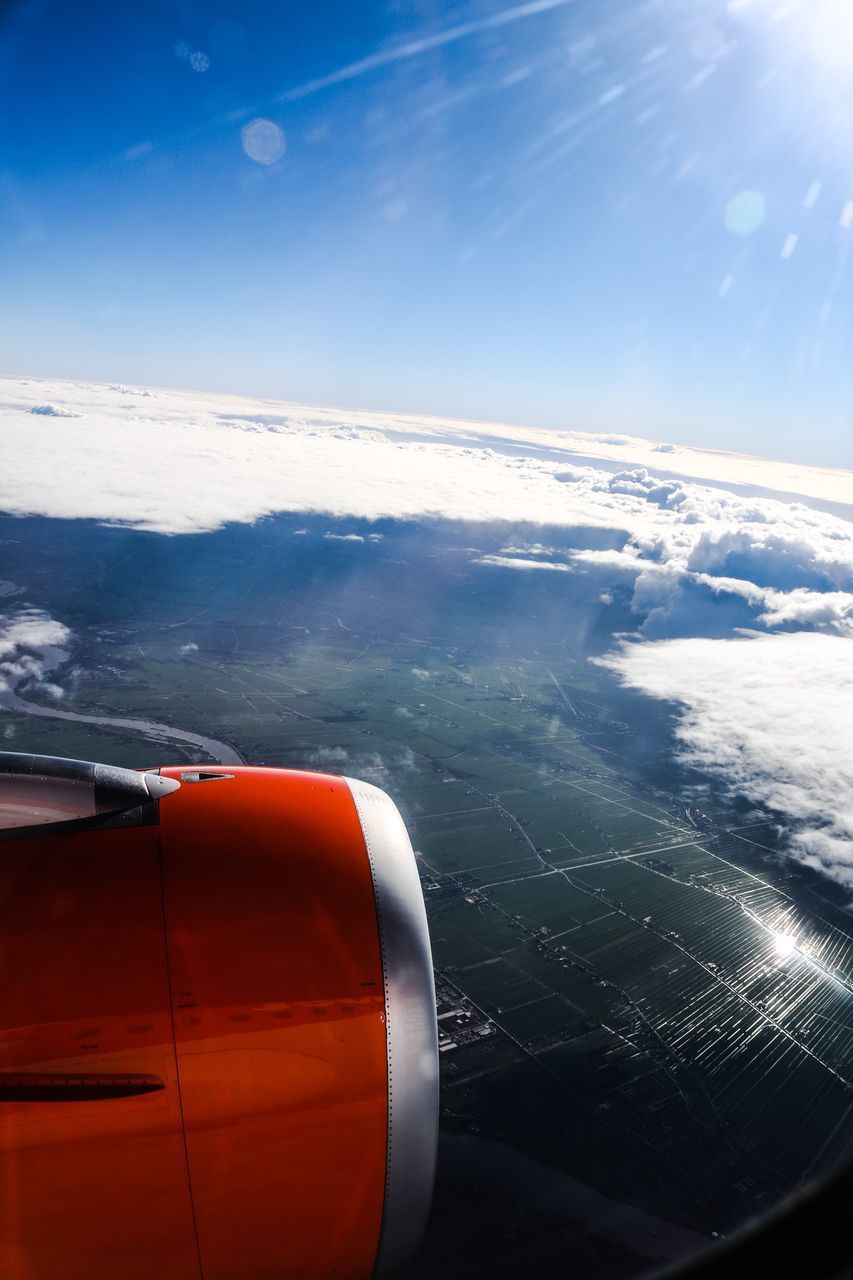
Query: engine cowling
x,y
218,1051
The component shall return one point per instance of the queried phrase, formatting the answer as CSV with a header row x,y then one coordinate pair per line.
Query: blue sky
x,y
594,214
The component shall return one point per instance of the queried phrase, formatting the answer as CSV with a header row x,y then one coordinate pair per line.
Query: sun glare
x,y
821,28
785,944
829,30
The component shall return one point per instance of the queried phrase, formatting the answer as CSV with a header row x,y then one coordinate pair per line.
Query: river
x,y
161,734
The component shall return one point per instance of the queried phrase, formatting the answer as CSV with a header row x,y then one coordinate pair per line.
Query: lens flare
x,y
785,944
263,141
829,31
822,29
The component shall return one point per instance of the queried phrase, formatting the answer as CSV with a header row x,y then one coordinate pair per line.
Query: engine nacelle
x,y
218,1051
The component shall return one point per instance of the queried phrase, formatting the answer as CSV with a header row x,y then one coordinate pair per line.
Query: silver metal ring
x,y
410,1027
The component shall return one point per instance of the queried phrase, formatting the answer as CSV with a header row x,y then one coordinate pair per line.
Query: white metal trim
x,y
410,1026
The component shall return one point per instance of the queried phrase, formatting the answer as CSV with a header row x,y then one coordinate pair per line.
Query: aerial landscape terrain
x,y
639,905
454,395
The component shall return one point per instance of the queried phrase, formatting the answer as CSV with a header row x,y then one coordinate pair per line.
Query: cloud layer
x,y
691,545
705,546
131,449
773,716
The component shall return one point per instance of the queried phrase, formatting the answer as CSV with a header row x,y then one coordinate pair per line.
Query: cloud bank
x,y
130,446
773,716
692,546
705,546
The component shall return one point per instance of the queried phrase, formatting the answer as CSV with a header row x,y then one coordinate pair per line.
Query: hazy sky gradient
x,y
593,214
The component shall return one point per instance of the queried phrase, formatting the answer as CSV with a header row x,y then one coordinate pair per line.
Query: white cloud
x,y
618,564
369,765
516,562
250,458
786,563
336,756
529,549
51,690
343,537
617,439
54,411
772,715
686,545
186,649
809,609
32,644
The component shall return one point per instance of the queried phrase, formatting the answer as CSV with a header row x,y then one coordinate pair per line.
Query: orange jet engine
x,y
218,1051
